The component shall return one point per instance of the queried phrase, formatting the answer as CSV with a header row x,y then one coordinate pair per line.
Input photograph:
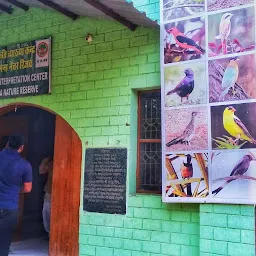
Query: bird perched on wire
x,y
234,126
229,78
185,86
224,30
184,42
187,134
240,169
187,172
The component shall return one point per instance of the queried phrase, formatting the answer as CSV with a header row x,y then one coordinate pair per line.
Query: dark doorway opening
x,y
40,144
47,134
39,129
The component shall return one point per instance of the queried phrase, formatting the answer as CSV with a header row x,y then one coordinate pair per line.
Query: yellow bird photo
x,y
228,131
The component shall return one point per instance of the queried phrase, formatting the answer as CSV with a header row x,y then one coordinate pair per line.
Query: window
x,y
149,177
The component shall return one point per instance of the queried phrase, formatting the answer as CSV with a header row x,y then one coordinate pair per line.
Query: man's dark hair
x,y
16,141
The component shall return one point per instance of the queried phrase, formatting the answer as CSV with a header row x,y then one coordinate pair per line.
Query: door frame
x,y
4,109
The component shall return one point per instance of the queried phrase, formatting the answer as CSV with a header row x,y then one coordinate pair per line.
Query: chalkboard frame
x,y
96,182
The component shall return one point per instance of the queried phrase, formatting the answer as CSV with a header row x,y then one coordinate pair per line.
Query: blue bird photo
x,y
229,78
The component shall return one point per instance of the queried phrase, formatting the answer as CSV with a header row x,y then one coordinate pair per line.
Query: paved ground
x,y
33,247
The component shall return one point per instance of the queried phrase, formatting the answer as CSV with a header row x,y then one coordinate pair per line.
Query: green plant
x,y
226,142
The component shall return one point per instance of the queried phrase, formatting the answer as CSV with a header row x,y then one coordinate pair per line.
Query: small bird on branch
x,y
240,169
184,42
229,78
224,30
235,127
187,172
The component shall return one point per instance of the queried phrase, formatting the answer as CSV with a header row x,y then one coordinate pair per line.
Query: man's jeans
x,y
8,221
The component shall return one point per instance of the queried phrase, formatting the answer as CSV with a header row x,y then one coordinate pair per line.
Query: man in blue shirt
x,y
15,177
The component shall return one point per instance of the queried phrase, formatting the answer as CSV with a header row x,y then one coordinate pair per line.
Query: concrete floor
x,y
32,247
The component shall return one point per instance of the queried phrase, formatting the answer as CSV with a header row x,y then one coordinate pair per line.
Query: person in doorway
x,y
46,167
15,177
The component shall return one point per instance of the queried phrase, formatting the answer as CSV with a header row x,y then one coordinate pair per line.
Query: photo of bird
x,y
186,170
232,78
186,85
234,126
224,31
231,32
239,169
187,175
187,134
184,42
229,78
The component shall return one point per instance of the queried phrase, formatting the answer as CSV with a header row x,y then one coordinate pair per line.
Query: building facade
x,y
95,88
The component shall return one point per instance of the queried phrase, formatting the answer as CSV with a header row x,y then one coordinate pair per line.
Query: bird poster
x,y
231,32
232,79
186,129
233,175
185,84
208,101
234,126
173,9
184,40
187,175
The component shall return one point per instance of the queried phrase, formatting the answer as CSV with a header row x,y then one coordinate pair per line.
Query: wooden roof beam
x,y
103,8
6,9
59,8
18,4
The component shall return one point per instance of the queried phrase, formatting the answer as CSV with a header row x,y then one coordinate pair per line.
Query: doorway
x,y
47,134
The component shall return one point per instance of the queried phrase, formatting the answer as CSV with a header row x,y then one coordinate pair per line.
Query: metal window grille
x,y
149,178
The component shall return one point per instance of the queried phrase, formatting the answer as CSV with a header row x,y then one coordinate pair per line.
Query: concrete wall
x,y
94,87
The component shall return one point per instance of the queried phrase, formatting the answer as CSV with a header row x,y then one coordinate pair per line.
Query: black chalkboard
x,y
105,180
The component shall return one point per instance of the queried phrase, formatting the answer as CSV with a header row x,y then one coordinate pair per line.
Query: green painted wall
x,y
94,88
227,230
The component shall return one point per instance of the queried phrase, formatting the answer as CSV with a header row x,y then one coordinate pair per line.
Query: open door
x,y
66,191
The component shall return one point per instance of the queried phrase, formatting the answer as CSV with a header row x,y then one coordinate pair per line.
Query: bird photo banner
x,y
208,90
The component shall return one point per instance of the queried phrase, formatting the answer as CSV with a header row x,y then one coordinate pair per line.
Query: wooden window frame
x,y
139,141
